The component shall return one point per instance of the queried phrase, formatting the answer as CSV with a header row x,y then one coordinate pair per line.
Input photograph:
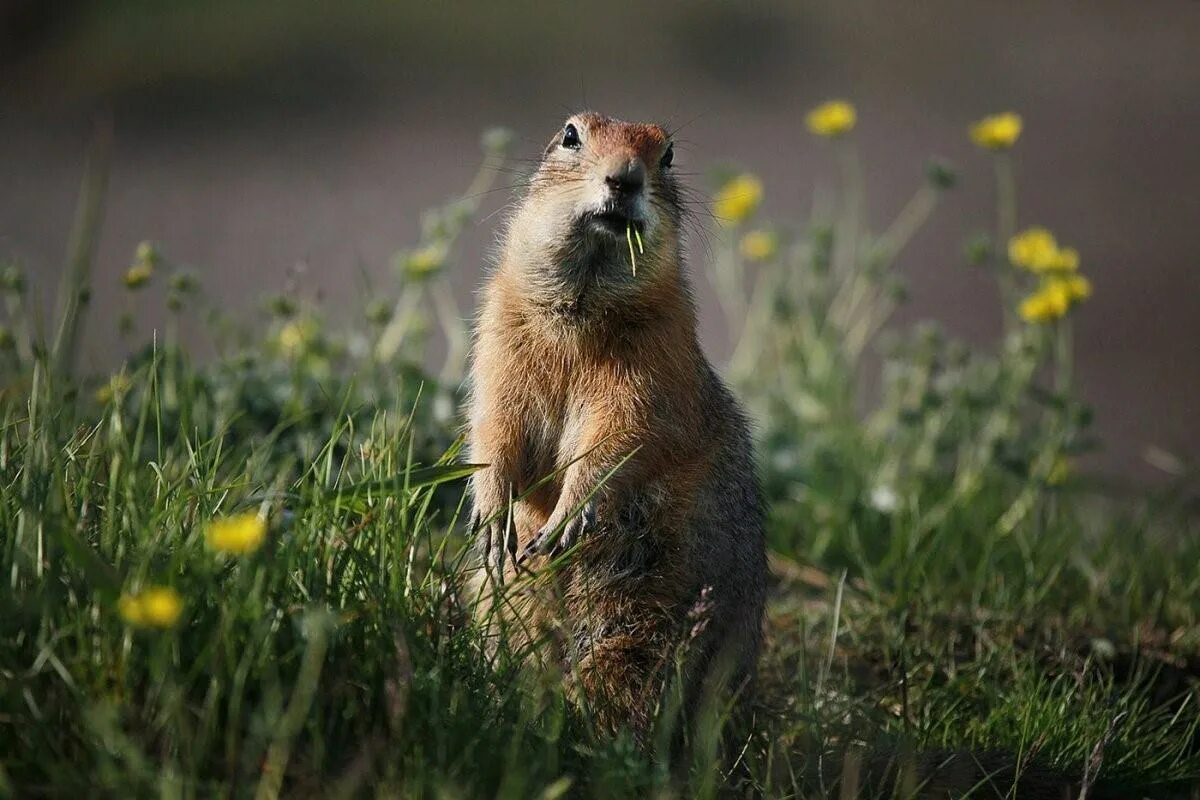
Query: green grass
x,y
939,581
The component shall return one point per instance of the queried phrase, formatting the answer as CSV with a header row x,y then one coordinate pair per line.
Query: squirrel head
x,y
603,210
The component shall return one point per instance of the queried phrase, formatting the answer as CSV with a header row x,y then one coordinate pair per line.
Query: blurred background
x,y
256,139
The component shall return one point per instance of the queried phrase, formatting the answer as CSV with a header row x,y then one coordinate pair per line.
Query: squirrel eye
x,y
570,137
668,156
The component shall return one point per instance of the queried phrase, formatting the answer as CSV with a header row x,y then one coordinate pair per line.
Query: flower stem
x,y
85,234
458,340
1063,356
730,289
1006,224
911,219
850,219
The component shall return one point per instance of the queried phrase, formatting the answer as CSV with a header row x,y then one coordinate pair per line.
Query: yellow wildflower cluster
x,y
1054,298
291,337
831,119
152,607
1037,251
759,245
138,276
116,386
425,261
738,198
240,535
997,132
144,261
295,337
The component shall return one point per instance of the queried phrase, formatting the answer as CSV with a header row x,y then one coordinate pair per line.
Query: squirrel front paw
x,y
557,537
496,536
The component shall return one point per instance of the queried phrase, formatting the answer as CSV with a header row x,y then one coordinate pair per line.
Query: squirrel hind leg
x,y
620,683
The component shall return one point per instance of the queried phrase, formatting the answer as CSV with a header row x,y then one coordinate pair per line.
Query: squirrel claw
x,y
494,535
546,543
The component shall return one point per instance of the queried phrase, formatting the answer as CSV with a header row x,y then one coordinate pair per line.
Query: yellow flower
x,y
1031,248
1059,290
147,253
997,132
1047,304
425,261
153,607
1076,287
117,385
759,245
291,337
138,275
240,535
738,198
1036,250
1065,259
294,337
831,119
145,259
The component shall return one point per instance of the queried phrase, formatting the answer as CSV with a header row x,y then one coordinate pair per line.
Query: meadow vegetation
x,y
245,576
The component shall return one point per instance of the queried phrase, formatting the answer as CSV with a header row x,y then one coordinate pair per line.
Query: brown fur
x,y
578,365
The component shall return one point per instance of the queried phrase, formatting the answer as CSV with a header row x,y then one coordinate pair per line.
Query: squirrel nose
x,y
628,178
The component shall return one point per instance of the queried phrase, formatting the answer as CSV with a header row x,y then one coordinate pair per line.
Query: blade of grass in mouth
x,y
629,240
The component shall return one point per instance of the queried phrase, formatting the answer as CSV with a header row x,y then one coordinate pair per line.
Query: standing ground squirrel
x,y
587,376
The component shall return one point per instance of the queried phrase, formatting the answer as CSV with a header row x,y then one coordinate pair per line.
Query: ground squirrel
x,y
586,367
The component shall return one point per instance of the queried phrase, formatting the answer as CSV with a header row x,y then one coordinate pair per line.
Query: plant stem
x,y
1006,224
1063,356
911,219
757,320
850,220
85,231
457,339
730,292
319,625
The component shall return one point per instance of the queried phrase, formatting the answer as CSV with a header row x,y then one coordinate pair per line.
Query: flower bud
x,y
941,174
